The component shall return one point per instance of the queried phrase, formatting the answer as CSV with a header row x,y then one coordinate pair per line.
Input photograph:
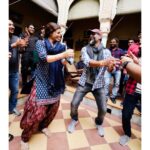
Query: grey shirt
x,y
99,81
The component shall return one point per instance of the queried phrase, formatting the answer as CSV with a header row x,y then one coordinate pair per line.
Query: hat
x,y
96,31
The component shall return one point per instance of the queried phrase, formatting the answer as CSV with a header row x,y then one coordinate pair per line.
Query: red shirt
x,y
134,48
131,86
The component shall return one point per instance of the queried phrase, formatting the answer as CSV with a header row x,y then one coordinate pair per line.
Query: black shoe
x,y
113,100
11,137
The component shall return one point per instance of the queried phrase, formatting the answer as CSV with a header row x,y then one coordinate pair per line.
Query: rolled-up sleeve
x,y
85,57
107,53
40,48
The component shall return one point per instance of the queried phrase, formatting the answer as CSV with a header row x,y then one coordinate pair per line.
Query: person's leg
x,y
101,99
120,91
13,86
30,122
32,65
77,98
107,77
128,108
117,76
124,88
138,105
27,133
50,114
33,116
24,67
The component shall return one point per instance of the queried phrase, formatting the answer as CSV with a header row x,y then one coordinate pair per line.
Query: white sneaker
x,y
71,126
100,130
124,140
16,112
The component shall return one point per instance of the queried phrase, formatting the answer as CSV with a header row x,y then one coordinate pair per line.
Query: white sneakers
x,y
100,130
124,140
71,126
16,112
73,123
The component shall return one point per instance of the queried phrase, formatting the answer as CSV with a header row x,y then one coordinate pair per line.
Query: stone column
x,y
107,13
63,10
105,25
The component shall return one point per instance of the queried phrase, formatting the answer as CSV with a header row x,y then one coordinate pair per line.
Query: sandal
x,y
46,132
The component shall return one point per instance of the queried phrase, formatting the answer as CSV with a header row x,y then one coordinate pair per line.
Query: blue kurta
x,y
42,77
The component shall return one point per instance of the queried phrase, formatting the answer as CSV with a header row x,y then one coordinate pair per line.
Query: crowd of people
x,y
43,58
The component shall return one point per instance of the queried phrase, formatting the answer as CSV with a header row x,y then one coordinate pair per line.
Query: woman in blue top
x,y
42,105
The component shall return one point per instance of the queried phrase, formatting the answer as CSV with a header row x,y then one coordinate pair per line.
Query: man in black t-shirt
x,y
14,44
27,60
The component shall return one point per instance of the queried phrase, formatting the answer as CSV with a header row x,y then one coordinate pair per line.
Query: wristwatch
x,y
125,64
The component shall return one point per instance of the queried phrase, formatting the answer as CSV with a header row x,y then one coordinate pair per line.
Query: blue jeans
x,y
99,95
108,76
13,86
129,104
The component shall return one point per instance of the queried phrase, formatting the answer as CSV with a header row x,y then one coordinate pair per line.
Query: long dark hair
x,y
50,28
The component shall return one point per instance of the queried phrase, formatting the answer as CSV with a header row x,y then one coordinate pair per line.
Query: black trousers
x,y
27,63
129,104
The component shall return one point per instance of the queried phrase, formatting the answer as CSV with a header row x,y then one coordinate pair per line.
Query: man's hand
x,y
135,59
111,61
125,58
22,43
111,67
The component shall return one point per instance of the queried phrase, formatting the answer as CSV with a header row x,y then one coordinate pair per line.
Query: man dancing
x,y
96,59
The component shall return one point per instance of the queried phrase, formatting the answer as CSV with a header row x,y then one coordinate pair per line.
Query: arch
x,y
81,9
